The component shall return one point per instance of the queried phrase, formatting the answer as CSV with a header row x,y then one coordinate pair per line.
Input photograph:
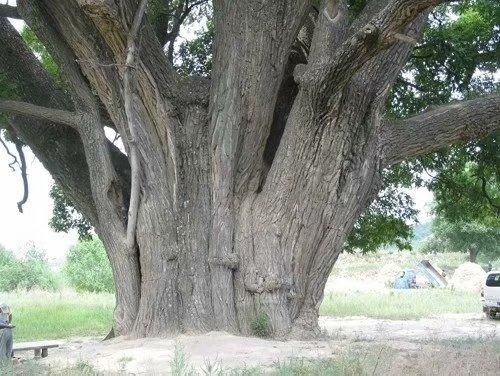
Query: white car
x,y
491,294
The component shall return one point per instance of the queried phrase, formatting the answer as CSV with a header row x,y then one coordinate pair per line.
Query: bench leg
x,y
45,353
38,353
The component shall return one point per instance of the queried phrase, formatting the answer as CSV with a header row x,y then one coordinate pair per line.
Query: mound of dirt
x,y
468,277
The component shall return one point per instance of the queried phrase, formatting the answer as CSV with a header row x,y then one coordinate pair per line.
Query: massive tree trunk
x,y
249,182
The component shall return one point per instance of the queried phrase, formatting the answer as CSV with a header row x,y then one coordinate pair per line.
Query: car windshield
x,y
493,280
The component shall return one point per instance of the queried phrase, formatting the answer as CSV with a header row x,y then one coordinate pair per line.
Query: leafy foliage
x,y
195,56
30,272
41,52
457,59
387,221
470,237
65,216
87,267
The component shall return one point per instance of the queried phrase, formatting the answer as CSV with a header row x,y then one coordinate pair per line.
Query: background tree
x,y
87,267
467,204
237,191
472,238
30,272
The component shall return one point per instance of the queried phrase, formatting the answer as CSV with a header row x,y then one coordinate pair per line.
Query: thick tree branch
x,y
9,11
59,148
39,112
439,127
384,30
33,13
132,124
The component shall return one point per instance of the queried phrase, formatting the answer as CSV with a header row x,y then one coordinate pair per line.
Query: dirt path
x,y
442,327
154,356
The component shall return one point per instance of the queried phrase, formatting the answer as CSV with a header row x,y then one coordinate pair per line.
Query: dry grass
x,y
400,305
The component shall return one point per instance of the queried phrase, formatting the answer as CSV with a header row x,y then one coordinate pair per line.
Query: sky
x,y
19,231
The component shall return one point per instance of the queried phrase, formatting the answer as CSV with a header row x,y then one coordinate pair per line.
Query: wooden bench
x,y
41,349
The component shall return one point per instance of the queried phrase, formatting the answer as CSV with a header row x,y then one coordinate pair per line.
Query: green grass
x,y
44,316
401,305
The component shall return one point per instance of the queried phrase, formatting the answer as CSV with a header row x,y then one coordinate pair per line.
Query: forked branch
x,y
434,129
132,124
381,32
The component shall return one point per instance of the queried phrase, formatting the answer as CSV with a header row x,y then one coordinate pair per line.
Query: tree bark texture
x,y
473,252
250,182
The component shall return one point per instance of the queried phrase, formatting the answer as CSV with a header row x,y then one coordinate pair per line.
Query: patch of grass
x,y
40,315
83,369
401,305
179,365
305,367
261,325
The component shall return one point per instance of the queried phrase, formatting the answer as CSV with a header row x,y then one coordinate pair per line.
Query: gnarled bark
x,y
249,183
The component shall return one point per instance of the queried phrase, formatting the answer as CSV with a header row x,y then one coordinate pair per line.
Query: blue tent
x,y
406,280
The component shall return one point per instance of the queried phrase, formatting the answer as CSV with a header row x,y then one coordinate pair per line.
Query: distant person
x,y
6,338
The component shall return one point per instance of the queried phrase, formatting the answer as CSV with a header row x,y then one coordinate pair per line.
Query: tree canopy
x,y
473,238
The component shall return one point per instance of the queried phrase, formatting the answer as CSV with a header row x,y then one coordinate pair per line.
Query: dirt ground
x,y
401,344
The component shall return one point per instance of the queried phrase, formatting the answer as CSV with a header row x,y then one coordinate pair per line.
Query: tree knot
x,y
258,284
299,73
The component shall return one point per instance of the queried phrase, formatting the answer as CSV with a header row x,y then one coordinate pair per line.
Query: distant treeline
x,y
86,269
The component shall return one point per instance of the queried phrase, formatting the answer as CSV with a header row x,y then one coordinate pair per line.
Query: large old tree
x,y
236,192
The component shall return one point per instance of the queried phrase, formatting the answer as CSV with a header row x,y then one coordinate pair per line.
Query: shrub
x,y
33,271
87,267
10,270
261,325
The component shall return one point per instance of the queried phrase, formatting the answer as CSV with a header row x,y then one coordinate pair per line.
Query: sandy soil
x,y
154,356
442,327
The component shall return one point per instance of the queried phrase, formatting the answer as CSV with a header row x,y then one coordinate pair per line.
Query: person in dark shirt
x,y
6,338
